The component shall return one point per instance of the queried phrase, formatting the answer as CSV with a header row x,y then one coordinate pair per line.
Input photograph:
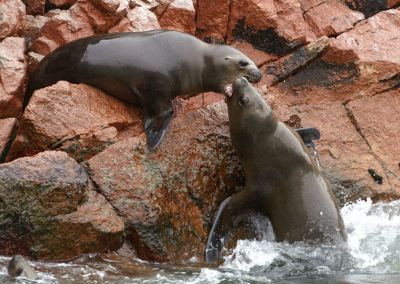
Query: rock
x,y
344,155
62,3
12,13
212,20
84,18
180,16
377,120
332,18
33,26
168,198
276,27
371,7
49,210
77,118
289,64
12,75
351,67
137,20
60,29
111,6
8,127
377,64
100,14
33,60
35,7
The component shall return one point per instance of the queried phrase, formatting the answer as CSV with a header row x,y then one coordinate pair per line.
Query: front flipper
x,y
229,209
308,135
155,128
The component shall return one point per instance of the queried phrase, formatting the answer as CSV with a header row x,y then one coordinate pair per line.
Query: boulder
x,y
62,3
60,29
371,7
377,120
12,75
212,20
332,18
49,210
76,118
8,127
83,19
35,7
180,16
138,19
12,13
276,27
344,154
168,198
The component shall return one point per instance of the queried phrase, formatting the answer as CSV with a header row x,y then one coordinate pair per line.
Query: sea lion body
x,y
282,180
148,69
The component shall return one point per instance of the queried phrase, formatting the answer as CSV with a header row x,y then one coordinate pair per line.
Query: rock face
x,y
12,75
72,117
212,20
137,20
50,211
180,16
12,13
167,206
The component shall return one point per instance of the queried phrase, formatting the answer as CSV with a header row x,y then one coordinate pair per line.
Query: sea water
x,y
372,255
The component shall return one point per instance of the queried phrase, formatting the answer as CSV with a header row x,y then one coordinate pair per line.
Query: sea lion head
x,y
225,64
248,111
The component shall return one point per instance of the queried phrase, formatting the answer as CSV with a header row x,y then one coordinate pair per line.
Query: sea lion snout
x,y
253,74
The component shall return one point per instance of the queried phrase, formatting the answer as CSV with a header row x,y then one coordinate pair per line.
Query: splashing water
x,y
372,255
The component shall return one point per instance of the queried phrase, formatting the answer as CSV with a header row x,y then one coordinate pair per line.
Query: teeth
x,y
228,90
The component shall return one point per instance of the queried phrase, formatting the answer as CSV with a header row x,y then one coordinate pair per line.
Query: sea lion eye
x,y
243,63
243,100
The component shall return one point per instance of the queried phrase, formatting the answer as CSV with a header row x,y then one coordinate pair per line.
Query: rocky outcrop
x,y
180,16
168,198
12,76
12,14
212,20
73,118
378,125
137,20
50,211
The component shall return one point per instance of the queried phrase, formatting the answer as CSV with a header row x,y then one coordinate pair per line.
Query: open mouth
x,y
228,90
252,79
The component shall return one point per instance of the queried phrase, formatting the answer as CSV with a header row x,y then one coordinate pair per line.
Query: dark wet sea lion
x,y
147,69
282,180
19,267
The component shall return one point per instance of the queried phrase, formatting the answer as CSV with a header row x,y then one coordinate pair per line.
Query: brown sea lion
x,y
282,180
147,69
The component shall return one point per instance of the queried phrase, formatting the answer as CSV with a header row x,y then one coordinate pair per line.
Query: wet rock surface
x,y
50,211
167,205
323,66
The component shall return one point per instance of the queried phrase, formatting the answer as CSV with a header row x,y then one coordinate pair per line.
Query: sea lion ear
x,y
227,57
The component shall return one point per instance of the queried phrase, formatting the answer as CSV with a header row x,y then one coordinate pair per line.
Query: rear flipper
x,y
155,128
229,209
308,135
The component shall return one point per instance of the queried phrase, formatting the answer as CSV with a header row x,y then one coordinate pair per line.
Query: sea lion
x,y
147,69
282,180
19,267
